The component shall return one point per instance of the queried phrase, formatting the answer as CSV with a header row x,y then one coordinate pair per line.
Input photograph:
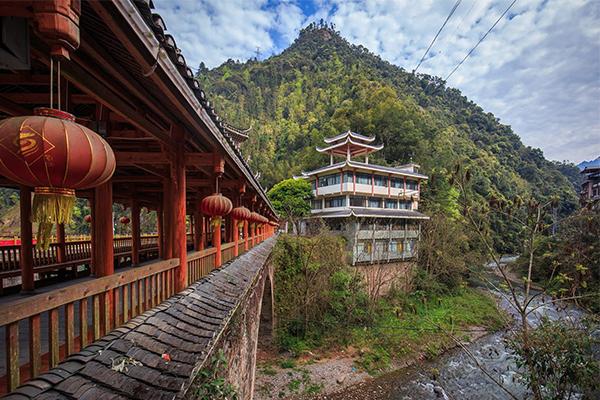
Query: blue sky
x,y
538,71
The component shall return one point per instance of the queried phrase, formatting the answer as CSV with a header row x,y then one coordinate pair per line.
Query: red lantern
x,y
240,214
87,218
254,217
55,155
216,206
124,220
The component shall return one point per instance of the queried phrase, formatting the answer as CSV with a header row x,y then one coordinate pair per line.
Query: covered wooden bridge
x,y
114,67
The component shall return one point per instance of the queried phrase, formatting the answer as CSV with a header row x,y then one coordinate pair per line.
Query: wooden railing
x,y
75,252
43,329
66,320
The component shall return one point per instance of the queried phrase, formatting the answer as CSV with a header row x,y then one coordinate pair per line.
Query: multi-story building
x,y
590,188
374,207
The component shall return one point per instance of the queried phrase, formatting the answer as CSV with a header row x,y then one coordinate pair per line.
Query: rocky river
x,y
455,375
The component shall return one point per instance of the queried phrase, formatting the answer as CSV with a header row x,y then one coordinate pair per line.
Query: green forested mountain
x,y
322,85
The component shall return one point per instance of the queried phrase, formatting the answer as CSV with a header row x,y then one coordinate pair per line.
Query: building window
x,y
363,179
397,183
374,202
317,204
348,177
391,203
381,180
335,202
396,246
313,184
357,201
405,205
412,185
329,180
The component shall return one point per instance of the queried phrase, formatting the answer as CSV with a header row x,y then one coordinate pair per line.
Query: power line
x,y
464,17
437,34
480,40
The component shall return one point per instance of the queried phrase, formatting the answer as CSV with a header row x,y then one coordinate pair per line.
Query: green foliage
x,y
448,253
316,294
211,384
568,264
418,323
561,358
290,198
322,85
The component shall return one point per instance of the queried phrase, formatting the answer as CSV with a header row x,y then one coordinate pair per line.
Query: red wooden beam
x,y
131,158
102,240
178,186
12,108
24,79
44,98
199,159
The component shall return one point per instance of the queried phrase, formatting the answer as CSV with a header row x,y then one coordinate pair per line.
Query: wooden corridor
x,y
44,329
117,74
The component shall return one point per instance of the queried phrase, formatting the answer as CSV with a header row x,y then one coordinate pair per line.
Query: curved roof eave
x,y
349,134
350,141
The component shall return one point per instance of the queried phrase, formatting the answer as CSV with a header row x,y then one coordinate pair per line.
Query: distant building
x,y
590,188
374,207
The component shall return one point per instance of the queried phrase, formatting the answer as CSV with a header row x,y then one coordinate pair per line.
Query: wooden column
x,y
26,250
246,239
92,234
197,229
161,232
178,210
135,233
168,212
217,243
102,242
236,235
231,232
102,248
60,239
192,230
252,232
202,221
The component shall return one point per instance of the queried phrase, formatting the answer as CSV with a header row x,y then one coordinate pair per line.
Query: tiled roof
x,y
357,164
158,26
186,327
349,134
363,212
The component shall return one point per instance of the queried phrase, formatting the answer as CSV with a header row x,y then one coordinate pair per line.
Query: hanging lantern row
x,y
52,153
124,220
241,214
216,206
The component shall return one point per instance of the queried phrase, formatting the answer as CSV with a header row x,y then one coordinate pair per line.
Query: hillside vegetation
x,y
322,85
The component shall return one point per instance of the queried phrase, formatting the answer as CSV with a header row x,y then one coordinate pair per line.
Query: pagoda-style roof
x,y
349,134
356,165
349,144
350,147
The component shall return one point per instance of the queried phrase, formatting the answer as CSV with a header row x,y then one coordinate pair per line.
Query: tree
x,y
534,219
291,200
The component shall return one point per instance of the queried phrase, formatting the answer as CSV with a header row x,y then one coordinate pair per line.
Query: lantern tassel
x,y
216,221
49,209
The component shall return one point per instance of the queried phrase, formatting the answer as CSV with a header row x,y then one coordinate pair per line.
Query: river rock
x,y
340,379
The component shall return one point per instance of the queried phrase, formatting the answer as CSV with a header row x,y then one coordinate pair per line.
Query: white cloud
x,y
539,71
